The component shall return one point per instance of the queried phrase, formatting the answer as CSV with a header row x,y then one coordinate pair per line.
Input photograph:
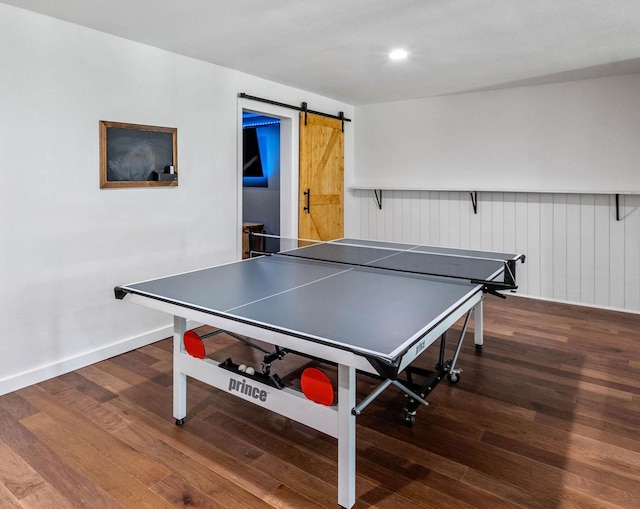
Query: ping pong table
x,y
365,306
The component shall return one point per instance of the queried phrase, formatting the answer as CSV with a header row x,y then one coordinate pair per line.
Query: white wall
x,y
65,243
576,250
579,136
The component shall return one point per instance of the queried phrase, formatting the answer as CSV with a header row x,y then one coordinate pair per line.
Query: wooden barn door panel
x,y
321,205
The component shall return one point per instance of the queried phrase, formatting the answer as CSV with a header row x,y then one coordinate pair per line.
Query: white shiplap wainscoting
x,y
576,250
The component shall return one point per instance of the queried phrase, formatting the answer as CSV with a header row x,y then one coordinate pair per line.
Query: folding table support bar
x,y
357,410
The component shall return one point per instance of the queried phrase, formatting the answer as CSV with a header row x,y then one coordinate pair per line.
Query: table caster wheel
x,y
454,378
409,418
179,422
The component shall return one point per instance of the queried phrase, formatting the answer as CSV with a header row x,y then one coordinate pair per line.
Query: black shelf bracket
x,y
617,207
474,201
378,197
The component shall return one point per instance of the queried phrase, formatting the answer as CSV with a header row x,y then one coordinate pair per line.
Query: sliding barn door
x,y
321,204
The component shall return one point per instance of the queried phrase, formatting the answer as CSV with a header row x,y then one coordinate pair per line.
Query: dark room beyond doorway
x,y
261,171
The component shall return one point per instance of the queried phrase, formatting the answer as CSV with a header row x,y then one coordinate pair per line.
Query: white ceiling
x,y
338,48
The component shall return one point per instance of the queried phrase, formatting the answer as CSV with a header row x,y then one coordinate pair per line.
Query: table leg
x,y
179,378
478,335
346,436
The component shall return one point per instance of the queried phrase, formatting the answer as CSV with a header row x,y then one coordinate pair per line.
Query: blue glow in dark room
x,y
261,149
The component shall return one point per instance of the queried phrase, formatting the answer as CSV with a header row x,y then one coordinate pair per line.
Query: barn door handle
x,y
307,193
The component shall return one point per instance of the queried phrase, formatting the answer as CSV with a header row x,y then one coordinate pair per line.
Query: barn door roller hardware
x,y
303,107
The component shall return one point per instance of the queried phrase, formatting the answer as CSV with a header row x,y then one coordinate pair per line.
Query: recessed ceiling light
x,y
398,54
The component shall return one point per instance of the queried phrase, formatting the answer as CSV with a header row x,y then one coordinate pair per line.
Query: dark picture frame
x,y
135,155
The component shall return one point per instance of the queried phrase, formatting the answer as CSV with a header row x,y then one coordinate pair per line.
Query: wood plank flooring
x,y
546,416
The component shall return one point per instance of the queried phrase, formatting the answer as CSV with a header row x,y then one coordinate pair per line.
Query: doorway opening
x,y
267,193
260,177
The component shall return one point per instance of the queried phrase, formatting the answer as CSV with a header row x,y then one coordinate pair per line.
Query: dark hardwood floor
x,y
546,416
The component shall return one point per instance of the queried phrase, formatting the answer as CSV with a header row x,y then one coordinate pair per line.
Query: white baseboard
x,y
37,375
574,303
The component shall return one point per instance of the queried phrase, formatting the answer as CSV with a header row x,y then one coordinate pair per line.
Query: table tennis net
x,y
473,266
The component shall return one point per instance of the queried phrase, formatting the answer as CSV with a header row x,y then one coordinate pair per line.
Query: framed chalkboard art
x,y
133,155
